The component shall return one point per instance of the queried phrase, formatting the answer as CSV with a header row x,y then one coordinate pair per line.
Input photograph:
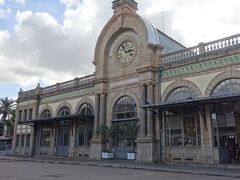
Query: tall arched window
x,y
46,114
85,109
85,130
45,130
64,111
181,94
125,108
227,87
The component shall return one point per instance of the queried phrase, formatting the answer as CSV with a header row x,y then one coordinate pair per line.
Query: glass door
x,y
63,138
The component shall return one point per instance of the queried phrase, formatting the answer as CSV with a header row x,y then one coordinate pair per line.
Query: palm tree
x,y
106,133
7,114
10,124
129,130
6,108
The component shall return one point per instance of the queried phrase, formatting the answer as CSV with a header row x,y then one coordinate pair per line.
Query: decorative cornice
x,y
72,94
147,69
155,47
201,66
101,80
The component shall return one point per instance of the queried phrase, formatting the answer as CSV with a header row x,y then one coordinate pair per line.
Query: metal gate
x,y
63,139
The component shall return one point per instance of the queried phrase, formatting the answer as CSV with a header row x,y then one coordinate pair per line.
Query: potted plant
x,y
106,133
130,129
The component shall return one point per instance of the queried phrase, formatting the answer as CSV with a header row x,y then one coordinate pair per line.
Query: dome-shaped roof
x,y
156,37
153,36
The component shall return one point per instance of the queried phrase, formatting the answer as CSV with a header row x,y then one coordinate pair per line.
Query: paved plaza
x,y
23,170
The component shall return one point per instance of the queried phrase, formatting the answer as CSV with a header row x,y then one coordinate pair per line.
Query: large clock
x,y
126,52
124,48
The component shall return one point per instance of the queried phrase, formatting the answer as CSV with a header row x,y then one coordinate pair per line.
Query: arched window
x,y
85,109
64,111
180,94
125,108
46,114
227,87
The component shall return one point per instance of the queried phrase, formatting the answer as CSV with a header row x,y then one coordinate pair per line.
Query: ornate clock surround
x,y
127,36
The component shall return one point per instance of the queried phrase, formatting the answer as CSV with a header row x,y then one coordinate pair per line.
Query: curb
x,y
159,169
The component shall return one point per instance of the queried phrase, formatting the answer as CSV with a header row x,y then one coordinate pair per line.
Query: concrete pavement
x,y
25,170
193,169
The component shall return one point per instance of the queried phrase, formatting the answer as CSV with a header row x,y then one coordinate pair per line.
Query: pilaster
x,y
72,139
96,114
142,112
150,120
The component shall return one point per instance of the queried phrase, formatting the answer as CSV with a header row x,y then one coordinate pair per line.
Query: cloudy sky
x,y
51,41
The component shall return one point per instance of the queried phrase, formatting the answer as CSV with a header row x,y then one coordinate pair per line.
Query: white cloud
x,y
21,1
41,48
4,35
2,2
4,12
191,22
71,3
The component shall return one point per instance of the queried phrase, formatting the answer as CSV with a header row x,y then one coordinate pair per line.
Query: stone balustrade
x,y
22,95
224,44
77,83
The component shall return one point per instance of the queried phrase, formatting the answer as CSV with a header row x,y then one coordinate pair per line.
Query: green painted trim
x,y
216,63
68,95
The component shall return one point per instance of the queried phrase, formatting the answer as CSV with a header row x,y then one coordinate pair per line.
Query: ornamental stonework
x,y
201,66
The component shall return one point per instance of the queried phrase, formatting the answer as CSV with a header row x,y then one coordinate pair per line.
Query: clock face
x,y
126,52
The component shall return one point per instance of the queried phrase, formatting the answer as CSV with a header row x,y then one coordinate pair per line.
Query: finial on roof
x,y
120,3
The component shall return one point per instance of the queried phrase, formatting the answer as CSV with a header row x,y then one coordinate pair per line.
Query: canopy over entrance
x,y
191,102
82,118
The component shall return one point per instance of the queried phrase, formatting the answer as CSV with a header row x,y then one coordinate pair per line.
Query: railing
x,y
26,94
77,82
203,48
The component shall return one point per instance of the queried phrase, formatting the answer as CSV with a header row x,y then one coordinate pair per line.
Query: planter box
x,y
131,156
107,155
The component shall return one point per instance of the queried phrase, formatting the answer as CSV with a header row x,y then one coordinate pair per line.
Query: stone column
x,y
96,115
34,134
237,121
15,131
146,147
102,114
150,121
72,138
208,154
143,114
99,119
34,139
22,115
163,131
54,138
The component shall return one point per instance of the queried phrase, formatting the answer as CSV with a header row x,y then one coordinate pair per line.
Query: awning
x,y
82,118
192,102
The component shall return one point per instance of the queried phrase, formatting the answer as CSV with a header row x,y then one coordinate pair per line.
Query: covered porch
x,y
201,130
67,135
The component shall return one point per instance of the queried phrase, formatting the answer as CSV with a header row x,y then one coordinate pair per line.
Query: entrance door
x,y
122,149
63,140
224,123
124,140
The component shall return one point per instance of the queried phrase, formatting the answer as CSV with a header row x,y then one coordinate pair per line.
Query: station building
x,y
185,100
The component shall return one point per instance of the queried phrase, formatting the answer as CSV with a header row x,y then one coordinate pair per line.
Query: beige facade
x,y
137,66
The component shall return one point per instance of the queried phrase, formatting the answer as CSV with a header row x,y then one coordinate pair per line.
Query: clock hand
x,y
124,48
129,51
